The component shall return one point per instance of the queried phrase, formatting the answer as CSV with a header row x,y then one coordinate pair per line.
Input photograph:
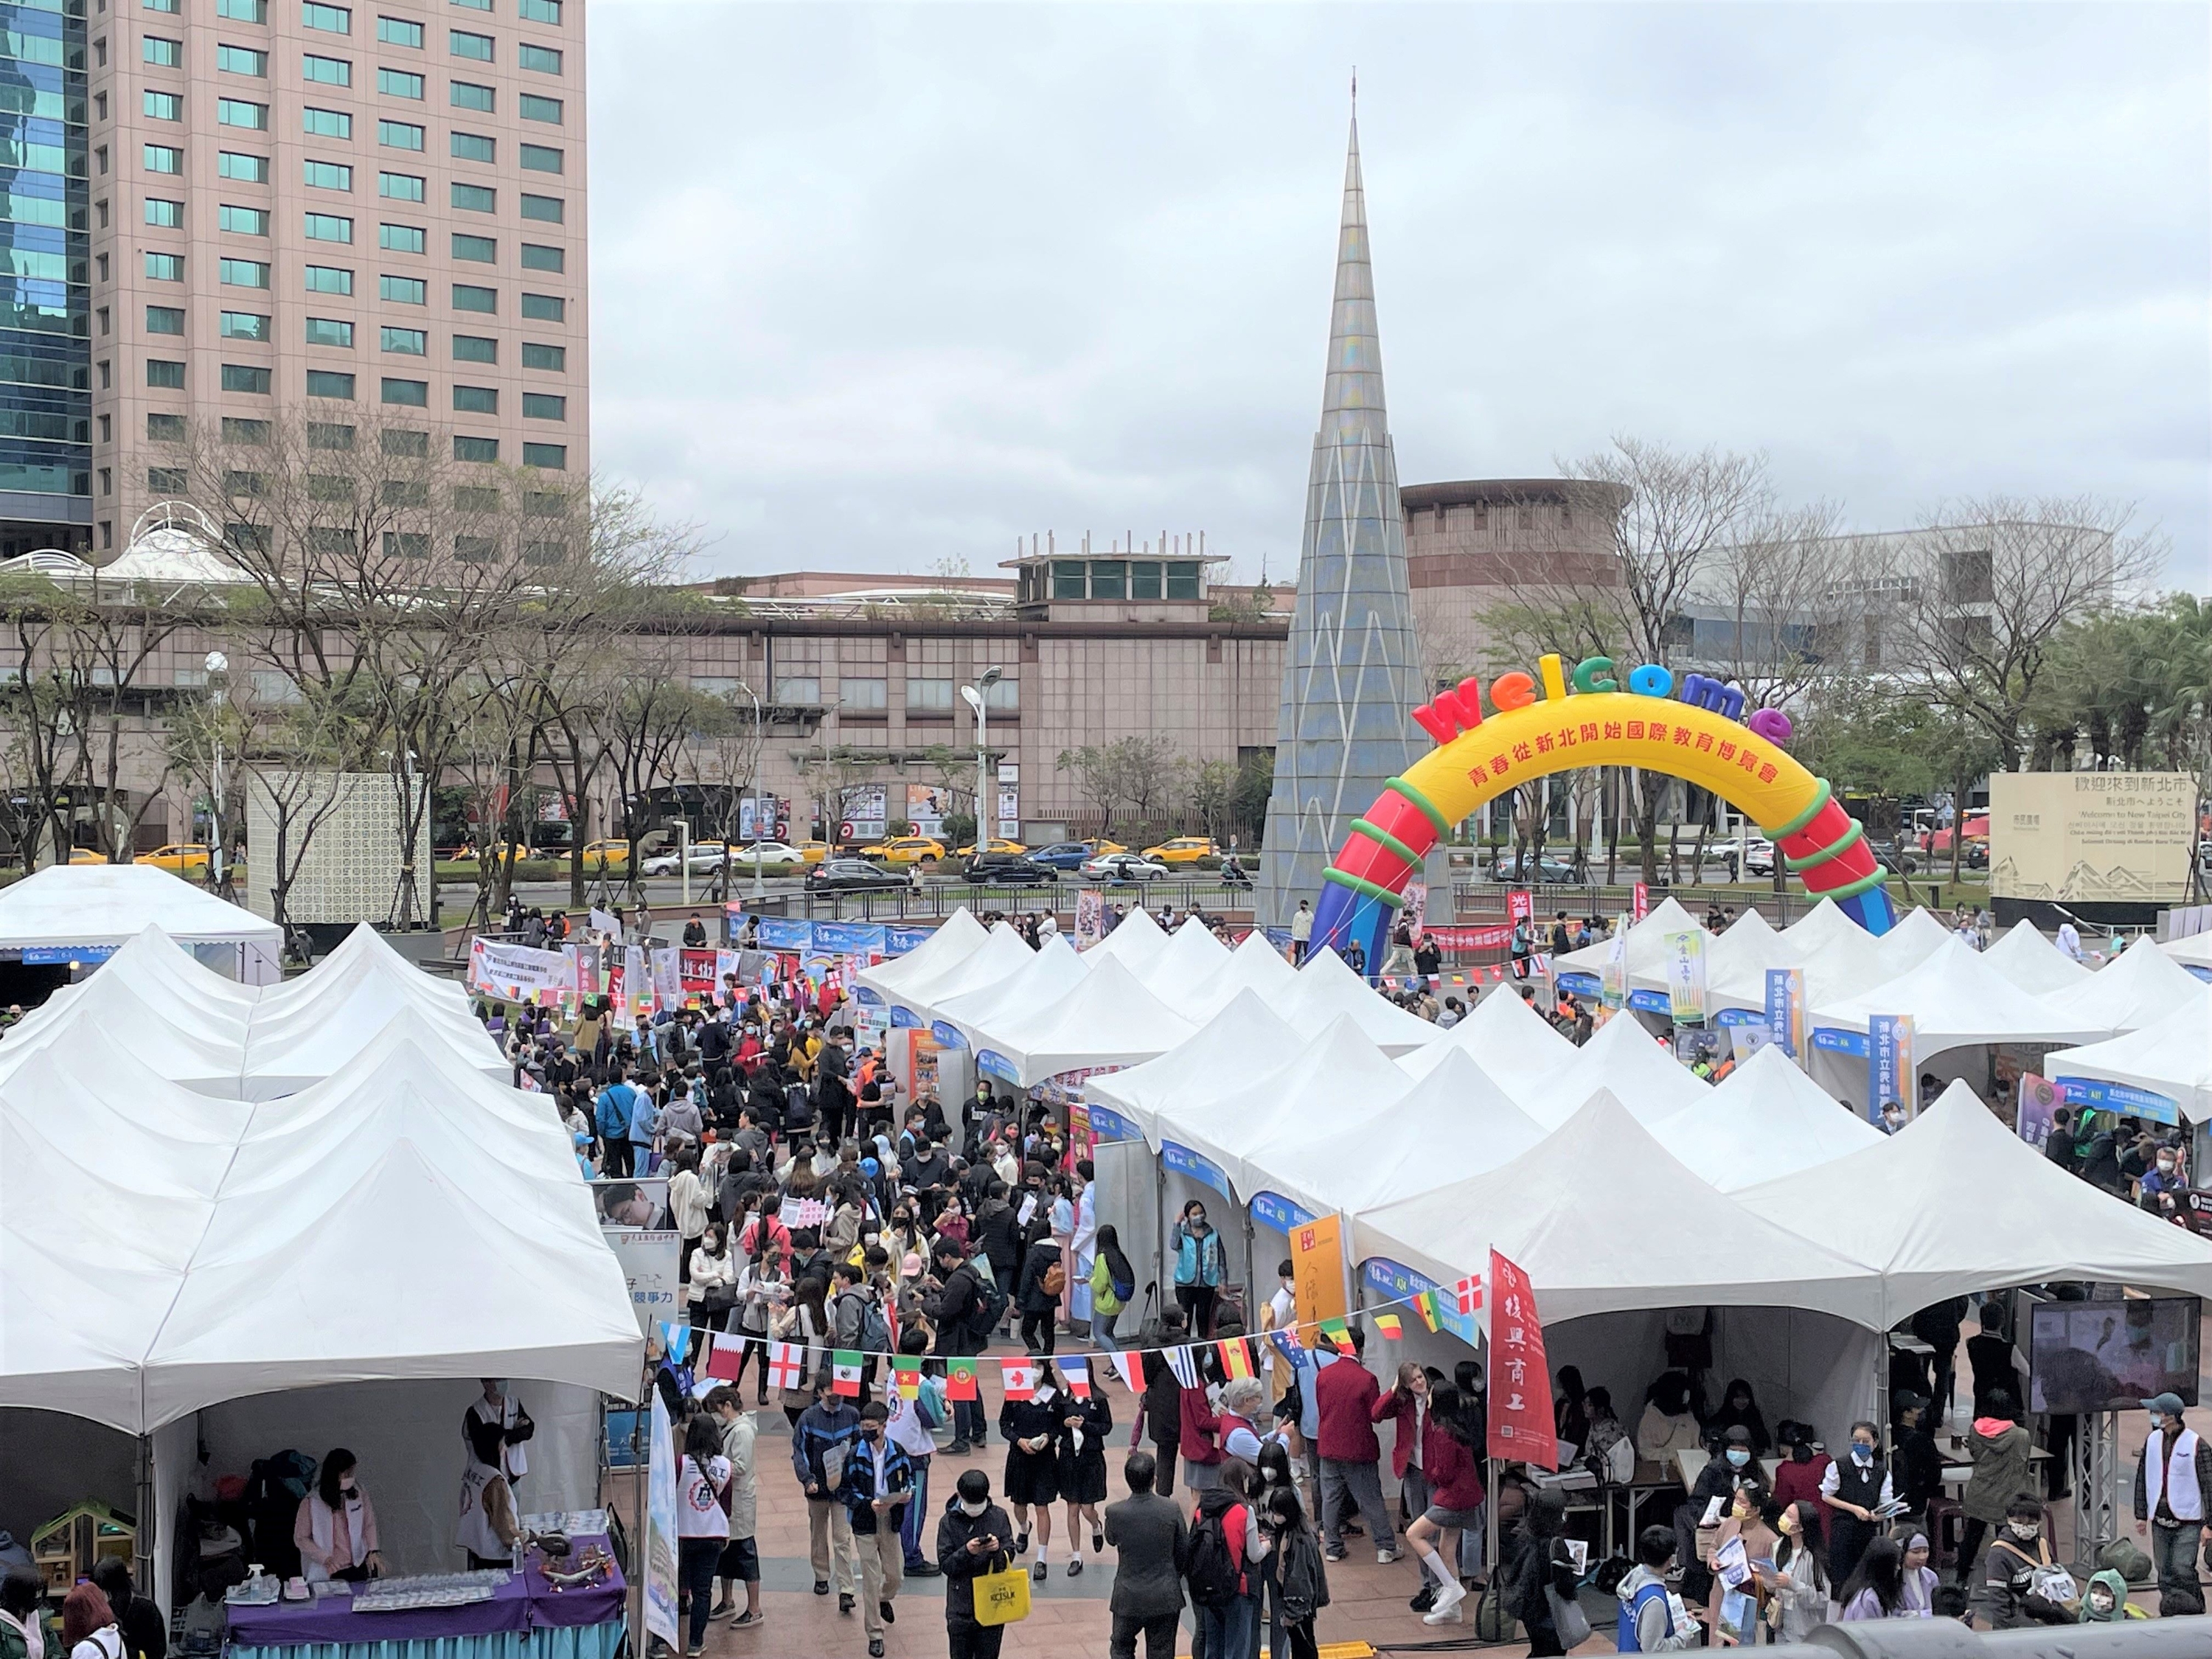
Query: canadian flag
x,y
1467,1295
786,1362
1020,1378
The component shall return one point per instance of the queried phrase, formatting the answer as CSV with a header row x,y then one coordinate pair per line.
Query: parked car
x,y
1183,849
1759,859
998,844
706,856
857,875
1124,866
1905,862
904,849
1009,870
1064,854
610,855
179,857
778,855
1534,871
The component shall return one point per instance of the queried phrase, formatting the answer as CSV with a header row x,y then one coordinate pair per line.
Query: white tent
x,y
1840,959
1647,946
1106,1017
320,1025
2138,987
1049,973
1765,1119
1455,1122
997,960
1193,957
1956,999
1604,1220
1917,937
2172,1057
1326,990
101,907
364,953
1242,1042
110,1009
1254,965
1136,940
2193,952
1743,950
1625,1059
2032,962
1955,1202
957,938
1513,1043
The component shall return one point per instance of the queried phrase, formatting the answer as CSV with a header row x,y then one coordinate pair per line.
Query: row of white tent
x,y
79,912
176,1235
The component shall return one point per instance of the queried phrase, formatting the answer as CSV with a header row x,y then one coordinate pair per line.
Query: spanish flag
x,y
1426,1305
1236,1358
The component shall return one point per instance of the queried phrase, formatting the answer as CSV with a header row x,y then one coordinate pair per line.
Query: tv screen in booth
x,y
2111,1356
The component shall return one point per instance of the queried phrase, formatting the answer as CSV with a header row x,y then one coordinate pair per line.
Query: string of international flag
x,y
787,1368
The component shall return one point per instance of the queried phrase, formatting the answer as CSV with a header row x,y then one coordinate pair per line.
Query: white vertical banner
x,y
660,1530
1685,977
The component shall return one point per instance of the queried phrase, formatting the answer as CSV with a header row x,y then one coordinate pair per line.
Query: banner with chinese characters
x,y
1685,977
1089,918
1317,1271
1613,986
1785,1009
1520,1424
1889,1064
515,973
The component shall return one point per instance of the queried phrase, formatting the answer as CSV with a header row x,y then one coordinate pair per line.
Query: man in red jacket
x,y
1348,1398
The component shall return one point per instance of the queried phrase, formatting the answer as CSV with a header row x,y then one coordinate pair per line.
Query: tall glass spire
x,y
1351,676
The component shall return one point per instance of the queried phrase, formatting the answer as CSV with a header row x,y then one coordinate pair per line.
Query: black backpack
x,y
798,1107
990,1308
1212,1570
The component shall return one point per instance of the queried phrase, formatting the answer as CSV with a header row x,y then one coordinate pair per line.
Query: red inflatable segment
x,y
1831,825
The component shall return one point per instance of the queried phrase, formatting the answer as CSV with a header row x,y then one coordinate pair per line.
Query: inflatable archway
x,y
1562,722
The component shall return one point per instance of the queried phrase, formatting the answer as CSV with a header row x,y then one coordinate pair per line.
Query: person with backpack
x,y
610,1115
1296,1580
857,1323
1031,1479
1044,1280
1222,1568
1652,1619
911,1421
965,1311
822,1443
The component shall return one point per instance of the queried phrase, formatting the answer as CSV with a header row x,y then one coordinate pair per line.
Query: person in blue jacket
x,y
1201,1266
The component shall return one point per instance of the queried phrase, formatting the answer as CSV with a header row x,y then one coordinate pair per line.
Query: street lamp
x,y
752,787
218,665
973,695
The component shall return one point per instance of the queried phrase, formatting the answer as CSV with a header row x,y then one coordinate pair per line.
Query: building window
x,y
404,290
399,83
475,400
1068,580
399,135
325,123
400,238
861,695
328,279
1109,579
475,449
406,544
543,406
165,428
467,95
538,11
242,220
245,376
475,198
474,5
399,186
327,175
322,434
399,441
1182,581
476,250
400,32
99,159
475,349
1145,579
165,267
328,228
159,158
554,357
553,457
164,105
239,112
537,158
330,331
928,696
473,146
468,297
242,60
544,307
165,480
534,108
799,691
546,209
168,54
239,11
537,256
408,342
243,273
331,20
462,43
247,169
106,323
475,498
544,60
415,394
245,326
327,71
165,374
331,382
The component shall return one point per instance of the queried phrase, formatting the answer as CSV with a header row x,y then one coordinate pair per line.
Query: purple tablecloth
x,y
526,1602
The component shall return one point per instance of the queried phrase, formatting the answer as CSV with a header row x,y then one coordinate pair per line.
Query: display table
x,y
526,1618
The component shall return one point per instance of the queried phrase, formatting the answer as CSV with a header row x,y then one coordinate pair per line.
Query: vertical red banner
x,y
1519,1378
1643,901
1520,904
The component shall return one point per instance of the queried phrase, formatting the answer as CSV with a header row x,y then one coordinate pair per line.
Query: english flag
x,y
787,1364
1468,1294
1020,1378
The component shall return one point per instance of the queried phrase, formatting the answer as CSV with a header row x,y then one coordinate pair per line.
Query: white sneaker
x,y
1447,1608
1384,1557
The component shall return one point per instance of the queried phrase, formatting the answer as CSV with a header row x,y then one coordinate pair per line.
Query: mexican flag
x,y
960,1380
845,1373
1020,1378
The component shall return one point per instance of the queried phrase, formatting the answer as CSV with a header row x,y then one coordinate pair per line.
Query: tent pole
x,y
149,1535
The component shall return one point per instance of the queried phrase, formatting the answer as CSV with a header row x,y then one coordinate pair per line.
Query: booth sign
x,y
1180,1160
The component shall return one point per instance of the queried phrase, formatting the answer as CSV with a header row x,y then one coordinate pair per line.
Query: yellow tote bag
x,y
1002,1597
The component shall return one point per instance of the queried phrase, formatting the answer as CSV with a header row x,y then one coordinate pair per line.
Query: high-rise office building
x,y
298,206
45,406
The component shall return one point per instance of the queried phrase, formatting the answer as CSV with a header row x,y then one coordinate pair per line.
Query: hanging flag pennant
x,y
1468,1294
1389,1325
908,1374
1426,1305
1075,1372
726,1360
787,1364
960,1380
675,1341
1181,1362
1020,1378
1286,1344
1236,1358
1131,1369
1336,1330
845,1373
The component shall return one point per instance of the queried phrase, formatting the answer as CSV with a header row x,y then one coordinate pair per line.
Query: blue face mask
x,y
1861,1453
1738,1456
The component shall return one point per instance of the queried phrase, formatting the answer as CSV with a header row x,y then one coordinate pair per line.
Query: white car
x,y
706,855
768,854
1124,866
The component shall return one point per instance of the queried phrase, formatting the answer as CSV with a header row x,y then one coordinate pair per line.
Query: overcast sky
x,y
875,289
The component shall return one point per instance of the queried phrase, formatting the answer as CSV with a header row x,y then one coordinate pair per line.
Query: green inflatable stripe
x,y
1399,787
1383,838
1819,799
1865,883
1812,861
1359,884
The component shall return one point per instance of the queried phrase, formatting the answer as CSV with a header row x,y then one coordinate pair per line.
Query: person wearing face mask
x,y
879,1484
1999,1448
336,1526
2173,1477
1853,1491
1725,1473
2019,1552
1031,1481
1916,1461
497,1406
1080,1450
1797,1582
2105,1599
1738,1409
2161,1188
973,1537
1279,1313
1750,1518
1200,1268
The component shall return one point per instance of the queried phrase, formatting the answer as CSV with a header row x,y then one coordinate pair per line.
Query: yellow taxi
x,y
813,851
998,844
86,855
1183,849
904,849
1100,847
181,858
606,855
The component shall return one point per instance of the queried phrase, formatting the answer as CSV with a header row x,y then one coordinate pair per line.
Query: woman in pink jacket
x,y
336,1526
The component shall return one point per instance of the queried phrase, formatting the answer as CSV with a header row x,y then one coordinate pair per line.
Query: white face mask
x,y
971,1511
